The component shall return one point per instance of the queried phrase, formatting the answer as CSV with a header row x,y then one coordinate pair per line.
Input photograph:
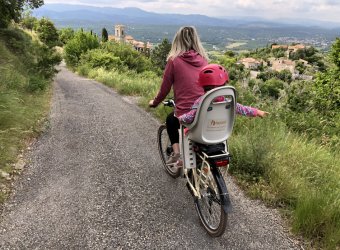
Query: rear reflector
x,y
222,163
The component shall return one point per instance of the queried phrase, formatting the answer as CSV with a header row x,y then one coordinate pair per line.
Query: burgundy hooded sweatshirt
x,y
182,72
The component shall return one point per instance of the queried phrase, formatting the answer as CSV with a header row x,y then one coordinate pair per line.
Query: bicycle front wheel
x,y
210,206
165,150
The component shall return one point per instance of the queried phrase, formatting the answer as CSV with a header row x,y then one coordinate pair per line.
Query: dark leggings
x,y
172,127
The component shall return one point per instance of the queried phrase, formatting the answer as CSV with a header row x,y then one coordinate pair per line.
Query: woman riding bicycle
x,y
185,60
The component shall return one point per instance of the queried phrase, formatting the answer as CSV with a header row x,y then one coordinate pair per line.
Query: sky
x,y
323,10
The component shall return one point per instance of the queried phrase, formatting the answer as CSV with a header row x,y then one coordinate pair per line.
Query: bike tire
x,y
165,150
211,205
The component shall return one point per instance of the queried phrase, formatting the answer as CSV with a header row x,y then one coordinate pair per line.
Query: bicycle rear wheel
x,y
165,150
210,206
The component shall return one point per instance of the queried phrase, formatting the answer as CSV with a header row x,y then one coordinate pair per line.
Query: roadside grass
x,y
282,168
22,110
145,85
290,172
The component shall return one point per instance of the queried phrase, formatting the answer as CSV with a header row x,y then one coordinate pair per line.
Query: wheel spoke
x,y
209,206
165,150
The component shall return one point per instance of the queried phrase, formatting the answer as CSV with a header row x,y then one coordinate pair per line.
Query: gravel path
x,y
94,181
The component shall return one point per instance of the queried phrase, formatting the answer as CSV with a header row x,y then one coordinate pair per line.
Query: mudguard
x,y
227,207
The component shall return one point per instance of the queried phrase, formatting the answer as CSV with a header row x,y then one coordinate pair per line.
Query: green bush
x,y
129,57
65,35
272,87
46,59
16,41
37,83
100,58
47,32
78,45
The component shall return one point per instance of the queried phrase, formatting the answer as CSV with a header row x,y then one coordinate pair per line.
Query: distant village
x,y
121,36
277,64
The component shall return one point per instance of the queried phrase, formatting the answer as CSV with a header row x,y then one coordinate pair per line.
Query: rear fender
x,y
226,202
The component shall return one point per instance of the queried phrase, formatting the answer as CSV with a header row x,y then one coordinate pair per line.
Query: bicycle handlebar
x,y
169,103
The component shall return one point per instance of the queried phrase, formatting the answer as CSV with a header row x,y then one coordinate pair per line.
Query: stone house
x,y
250,63
294,48
285,47
282,64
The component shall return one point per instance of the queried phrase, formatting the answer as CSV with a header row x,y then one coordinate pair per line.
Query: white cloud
x,y
315,9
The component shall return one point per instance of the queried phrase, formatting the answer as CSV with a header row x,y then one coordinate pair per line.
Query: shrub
x,y
46,59
65,35
47,32
129,57
79,44
272,87
37,83
100,58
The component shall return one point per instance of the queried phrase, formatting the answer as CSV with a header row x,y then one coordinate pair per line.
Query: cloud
x,y
332,2
271,9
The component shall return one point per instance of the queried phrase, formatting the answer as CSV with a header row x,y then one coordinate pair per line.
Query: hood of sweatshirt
x,y
192,57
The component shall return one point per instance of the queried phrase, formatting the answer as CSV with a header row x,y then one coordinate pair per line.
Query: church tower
x,y
120,32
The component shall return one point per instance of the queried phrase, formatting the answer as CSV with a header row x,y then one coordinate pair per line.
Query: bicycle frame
x,y
189,162
188,156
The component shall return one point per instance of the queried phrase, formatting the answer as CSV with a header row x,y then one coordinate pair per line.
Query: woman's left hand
x,y
151,104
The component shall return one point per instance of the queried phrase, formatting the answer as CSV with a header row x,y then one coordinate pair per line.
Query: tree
x,y
278,52
129,57
160,53
47,32
327,84
229,53
284,75
28,21
316,104
12,9
65,35
105,35
79,44
272,87
300,66
335,53
298,54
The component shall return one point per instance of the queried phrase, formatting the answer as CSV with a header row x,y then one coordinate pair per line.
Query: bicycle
x,y
204,156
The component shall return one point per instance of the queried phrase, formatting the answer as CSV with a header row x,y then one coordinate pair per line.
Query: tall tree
x,y
12,9
105,35
160,53
65,35
47,32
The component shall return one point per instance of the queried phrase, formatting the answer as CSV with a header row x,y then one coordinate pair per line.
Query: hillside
x,y
153,27
26,69
137,16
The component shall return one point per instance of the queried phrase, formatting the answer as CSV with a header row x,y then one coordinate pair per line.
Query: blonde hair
x,y
186,39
